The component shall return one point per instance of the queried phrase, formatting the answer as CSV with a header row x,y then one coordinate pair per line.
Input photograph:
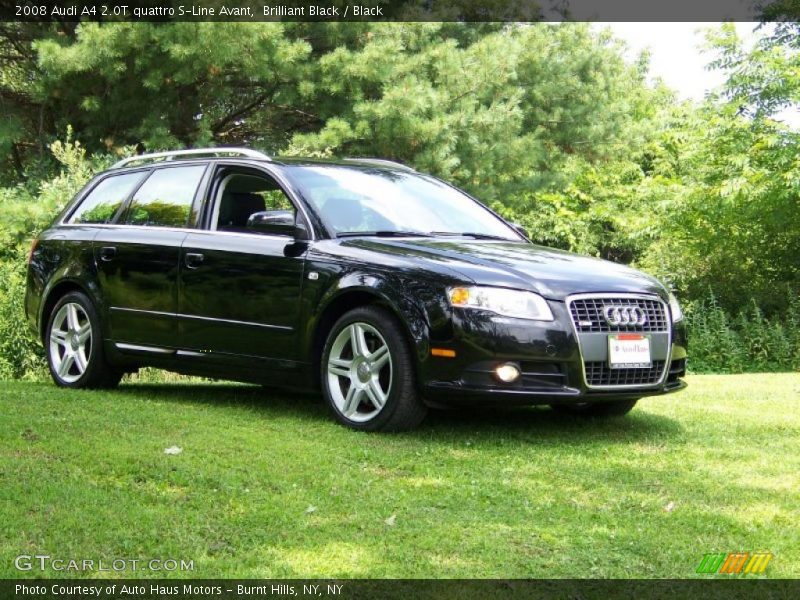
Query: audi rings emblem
x,y
624,315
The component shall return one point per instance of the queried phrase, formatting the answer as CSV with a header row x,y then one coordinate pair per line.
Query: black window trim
x,y
210,199
92,185
121,210
187,225
200,222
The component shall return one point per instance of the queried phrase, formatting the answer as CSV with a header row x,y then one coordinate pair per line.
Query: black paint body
x,y
250,311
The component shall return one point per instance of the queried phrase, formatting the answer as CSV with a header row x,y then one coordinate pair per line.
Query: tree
x,y
26,124
171,85
733,226
501,116
763,81
498,108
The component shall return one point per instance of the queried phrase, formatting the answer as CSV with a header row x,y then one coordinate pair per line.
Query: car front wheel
x,y
368,373
75,345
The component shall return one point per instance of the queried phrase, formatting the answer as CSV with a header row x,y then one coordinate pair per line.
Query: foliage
x,y
546,123
496,110
747,342
24,215
510,113
763,81
735,225
21,354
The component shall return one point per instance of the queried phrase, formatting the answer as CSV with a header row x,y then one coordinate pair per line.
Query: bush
x,y
747,342
719,342
21,354
25,213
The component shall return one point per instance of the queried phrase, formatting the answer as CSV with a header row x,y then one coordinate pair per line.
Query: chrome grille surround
x,y
661,322
588,314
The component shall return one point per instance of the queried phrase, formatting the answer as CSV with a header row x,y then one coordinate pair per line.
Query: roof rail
x,y
172,155
379,162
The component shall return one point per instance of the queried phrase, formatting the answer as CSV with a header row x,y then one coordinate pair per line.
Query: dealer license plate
x,y
629,351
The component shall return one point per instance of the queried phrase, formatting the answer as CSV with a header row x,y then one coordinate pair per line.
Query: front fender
x,y
406,298
387,291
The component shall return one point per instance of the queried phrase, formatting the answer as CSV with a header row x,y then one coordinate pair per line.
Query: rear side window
x,y
165,199
104,200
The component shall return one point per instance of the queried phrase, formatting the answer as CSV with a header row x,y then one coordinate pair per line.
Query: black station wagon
x,y
387,289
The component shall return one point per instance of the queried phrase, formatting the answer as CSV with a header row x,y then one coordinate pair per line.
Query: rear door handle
x,y
107,253
193,259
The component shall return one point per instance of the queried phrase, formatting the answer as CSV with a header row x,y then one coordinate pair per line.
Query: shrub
x,y
747,342
25,213
719,342
21,354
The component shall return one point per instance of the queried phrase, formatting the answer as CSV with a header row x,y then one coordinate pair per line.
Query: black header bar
x,y
399,10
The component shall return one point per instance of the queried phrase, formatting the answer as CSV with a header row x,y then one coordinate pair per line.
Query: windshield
x,y
355,200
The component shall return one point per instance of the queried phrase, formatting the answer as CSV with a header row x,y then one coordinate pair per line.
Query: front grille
x,y
599,373
587,315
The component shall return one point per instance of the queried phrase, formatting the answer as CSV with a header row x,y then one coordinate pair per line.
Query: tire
x,y
73,343
370,385
612,408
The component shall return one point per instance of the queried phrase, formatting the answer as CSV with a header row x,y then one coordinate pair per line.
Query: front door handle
x,y
107,253
193,259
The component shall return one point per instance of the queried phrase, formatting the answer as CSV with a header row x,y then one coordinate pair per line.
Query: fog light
x,y
507,372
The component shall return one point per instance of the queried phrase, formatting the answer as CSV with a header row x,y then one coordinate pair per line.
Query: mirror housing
x,y
276,222
520,230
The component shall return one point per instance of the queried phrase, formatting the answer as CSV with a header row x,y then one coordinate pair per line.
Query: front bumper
x,y
549,354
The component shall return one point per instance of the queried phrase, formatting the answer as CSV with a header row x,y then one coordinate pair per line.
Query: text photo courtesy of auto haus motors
x,y
446,302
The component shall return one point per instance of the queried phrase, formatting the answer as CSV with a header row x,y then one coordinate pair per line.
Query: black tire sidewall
x,y
95,368
403,378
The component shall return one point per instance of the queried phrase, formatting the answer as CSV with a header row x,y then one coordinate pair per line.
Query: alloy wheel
x,y
70,342
359,372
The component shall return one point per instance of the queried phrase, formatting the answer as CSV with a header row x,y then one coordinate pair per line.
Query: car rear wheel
x,y
368,373
611,408
74,345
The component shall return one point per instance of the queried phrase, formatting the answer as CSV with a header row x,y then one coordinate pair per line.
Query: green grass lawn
x,y
270,487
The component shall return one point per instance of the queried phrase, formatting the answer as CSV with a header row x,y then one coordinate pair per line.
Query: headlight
x,y
510,303
675,308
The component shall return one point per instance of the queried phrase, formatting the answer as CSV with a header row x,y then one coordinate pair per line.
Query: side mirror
x,y
520,230
276,222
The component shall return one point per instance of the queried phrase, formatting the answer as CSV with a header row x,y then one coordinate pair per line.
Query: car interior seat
x,y
236,208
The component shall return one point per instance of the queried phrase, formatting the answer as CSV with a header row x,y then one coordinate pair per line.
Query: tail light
x,y
34,244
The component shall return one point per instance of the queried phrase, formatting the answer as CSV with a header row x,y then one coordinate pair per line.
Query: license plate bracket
x,y
629,351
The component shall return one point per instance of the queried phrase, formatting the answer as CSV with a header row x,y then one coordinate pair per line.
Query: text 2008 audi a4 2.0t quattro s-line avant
x,y
387,289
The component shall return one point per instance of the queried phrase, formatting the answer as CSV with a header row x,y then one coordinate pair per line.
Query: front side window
x,y
356,200
105,199
244,193
165,199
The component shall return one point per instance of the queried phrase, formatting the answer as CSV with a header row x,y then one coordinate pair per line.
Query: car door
x,y
240,290
137,259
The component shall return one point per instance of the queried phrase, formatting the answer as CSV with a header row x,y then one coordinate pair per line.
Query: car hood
x,y
552,273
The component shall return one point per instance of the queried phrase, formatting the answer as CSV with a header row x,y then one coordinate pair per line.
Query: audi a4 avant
x,y
388,290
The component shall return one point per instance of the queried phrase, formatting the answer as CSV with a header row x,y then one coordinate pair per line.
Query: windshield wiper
x,y
383,233
477,236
